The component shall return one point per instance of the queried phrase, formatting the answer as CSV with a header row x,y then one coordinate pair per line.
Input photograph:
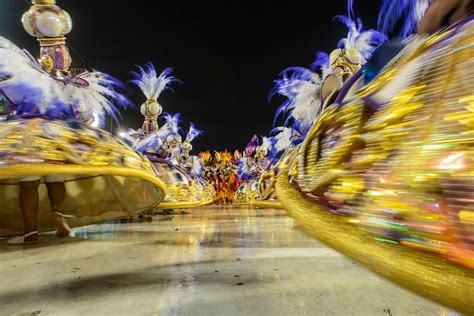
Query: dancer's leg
x,y
57,195
29,200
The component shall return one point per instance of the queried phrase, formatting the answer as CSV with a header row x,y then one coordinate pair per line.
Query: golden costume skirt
x,y
183,190
104,178
386,175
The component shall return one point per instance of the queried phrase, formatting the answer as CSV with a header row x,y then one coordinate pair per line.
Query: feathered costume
x,y
308,91
88,96
247,162
150,136
163,144
154,141
304,88
394,154
49,134
188,162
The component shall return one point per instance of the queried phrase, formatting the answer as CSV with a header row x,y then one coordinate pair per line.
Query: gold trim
x,y
266,204
179,205
50,169
208,202
427,275
51,41
43,2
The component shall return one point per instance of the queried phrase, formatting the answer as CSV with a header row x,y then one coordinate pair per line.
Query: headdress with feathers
x,y
205,156
363,41
302,86
266,146
152,85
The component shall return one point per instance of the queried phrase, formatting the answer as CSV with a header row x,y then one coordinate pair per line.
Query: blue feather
x,y
409,11
322,60
350,9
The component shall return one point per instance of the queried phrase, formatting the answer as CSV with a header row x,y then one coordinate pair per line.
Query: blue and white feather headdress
x,y
363,41
266,146
302,86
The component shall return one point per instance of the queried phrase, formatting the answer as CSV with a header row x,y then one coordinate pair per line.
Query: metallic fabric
x,y
386,176
104,178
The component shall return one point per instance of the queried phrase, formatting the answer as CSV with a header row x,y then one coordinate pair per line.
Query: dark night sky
x,y
227,53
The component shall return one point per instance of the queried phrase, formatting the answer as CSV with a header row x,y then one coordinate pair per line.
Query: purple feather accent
x,y
252,146
193,132
172,120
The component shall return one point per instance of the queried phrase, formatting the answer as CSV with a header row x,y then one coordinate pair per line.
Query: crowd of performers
x,y
227,172
378,132
50,134
221,171
165,146
165,142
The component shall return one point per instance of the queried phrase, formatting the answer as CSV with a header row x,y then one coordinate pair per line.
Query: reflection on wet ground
x,y
207,261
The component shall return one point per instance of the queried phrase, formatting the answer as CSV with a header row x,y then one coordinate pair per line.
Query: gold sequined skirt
x,y
104,178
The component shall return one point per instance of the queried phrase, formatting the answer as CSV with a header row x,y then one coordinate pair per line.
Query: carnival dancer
x,y
48,138
188,162
248,162
163,145
310,90
382,152
150,136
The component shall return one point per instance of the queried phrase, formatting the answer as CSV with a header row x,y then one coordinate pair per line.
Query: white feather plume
x,y
9,45
266,144
302,87
25,83
363,41
95,100
152,85
284,137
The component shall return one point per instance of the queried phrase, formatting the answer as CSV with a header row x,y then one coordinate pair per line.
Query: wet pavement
x,y
207,261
